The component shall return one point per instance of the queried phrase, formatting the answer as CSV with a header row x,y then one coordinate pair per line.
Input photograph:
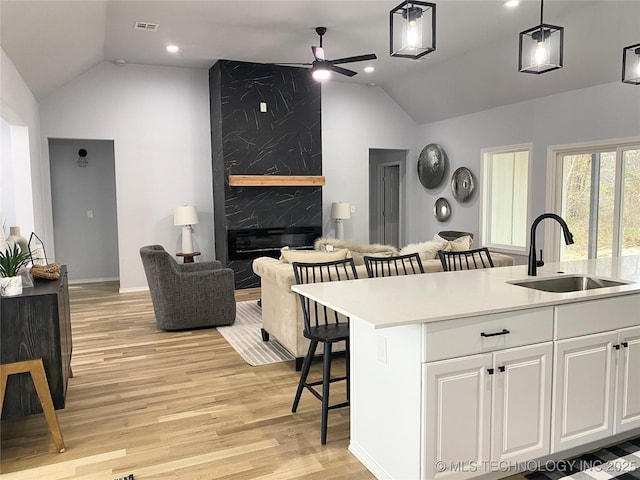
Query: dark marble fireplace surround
x,y
284,140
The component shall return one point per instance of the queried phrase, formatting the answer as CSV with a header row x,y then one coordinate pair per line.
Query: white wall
x,y
158,118
356,118
603,112
23,205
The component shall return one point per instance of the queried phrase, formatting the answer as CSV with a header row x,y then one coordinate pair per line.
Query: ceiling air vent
x,y
149,27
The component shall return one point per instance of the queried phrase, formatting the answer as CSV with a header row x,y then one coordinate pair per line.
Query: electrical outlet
x,y
263,107
353,208
89,213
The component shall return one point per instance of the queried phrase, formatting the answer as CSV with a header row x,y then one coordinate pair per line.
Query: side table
x,y
188,257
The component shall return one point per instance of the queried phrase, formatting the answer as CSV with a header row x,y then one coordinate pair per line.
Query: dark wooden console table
x,y
36,324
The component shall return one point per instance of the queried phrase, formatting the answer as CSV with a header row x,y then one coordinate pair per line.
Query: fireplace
x,y
250,243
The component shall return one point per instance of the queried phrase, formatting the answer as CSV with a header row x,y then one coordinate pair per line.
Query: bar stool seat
x,y
35,368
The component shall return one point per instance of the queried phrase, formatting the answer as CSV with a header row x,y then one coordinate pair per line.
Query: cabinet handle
x,y
490,371
617,347
624,344
502,368
503,332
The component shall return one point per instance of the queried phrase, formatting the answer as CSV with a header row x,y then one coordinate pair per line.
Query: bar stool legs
x,y
39,377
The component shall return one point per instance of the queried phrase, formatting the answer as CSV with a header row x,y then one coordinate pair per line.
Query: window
x,y
505,182
598,194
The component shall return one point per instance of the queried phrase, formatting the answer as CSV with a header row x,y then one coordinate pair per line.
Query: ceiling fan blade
x,y
343,71
357,58
295,64
318,53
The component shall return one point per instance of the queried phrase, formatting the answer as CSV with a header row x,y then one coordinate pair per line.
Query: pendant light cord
x,y
541,21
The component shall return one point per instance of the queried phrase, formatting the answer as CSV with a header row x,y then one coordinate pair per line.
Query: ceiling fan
x,y
321,67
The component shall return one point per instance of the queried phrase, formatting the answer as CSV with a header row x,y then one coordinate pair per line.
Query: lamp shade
x,y
340,211
412,29
185,215
631,64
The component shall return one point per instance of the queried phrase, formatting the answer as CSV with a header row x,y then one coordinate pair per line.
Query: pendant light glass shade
x,y
412,29
541,47
631,64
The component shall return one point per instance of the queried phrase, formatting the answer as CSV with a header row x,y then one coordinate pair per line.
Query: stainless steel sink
x,y
568,283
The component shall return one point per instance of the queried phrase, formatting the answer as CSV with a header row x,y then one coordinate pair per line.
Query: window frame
x,y
485,211
553,197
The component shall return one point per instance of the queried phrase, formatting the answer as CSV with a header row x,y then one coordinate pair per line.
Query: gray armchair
x,y
188,295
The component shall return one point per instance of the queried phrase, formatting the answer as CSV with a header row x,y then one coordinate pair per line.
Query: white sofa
x,y
281,311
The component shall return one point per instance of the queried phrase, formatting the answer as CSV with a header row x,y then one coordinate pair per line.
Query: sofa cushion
x,y
427,250
357,250
312,256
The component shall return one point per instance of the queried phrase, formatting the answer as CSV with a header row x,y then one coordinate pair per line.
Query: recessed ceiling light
x,y
173,48
369,69
512,3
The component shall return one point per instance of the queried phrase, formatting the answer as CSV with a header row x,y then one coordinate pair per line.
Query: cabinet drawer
x,y
594,316
464,336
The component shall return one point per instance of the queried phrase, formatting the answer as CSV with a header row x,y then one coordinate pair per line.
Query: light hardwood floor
x,y
173,405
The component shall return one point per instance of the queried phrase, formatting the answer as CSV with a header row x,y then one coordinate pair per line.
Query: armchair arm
x,y
200,266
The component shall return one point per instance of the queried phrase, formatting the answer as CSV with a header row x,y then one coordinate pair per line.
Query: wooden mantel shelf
x,y
276,180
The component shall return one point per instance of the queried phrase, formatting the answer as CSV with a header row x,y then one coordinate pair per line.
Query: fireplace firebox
x,y
249,243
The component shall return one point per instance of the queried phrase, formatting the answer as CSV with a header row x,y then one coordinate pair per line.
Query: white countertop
x,y
430,297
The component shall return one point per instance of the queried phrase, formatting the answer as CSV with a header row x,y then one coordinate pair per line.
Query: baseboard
x,y
133,289
93,280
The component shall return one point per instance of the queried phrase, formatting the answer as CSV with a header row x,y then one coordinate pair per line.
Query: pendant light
x,y
631,64
412,29
541,47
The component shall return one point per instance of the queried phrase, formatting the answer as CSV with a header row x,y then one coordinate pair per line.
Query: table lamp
x,y
186,216
340,211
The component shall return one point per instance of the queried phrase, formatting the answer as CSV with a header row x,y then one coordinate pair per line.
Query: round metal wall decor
x,y
442,209
462,184
432,163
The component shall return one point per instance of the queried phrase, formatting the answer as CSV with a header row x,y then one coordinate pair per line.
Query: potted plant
x,y
11,261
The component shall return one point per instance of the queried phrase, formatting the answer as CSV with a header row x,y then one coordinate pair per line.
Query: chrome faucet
x,y
534,263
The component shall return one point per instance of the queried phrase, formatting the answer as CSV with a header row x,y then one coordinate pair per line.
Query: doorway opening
x,y
387,196
83,199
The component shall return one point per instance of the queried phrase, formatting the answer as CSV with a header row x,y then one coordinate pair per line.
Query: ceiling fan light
x,y
412,27
321,74
631,64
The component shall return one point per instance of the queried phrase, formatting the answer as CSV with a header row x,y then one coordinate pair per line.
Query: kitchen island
x,y
465,374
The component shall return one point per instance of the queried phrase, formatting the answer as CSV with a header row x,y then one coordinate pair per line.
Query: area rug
x,y
245,337
621,461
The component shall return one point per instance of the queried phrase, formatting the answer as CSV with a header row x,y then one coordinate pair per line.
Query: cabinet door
x,y
457,414
522,403
584,390
628,380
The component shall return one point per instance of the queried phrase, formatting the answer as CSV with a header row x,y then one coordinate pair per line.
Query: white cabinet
x,y
628,380
584,390
522,403
487,407
597,376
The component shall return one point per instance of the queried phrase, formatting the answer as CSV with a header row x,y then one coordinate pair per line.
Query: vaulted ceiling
x,y
474,67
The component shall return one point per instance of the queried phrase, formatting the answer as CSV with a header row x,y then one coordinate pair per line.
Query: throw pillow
x,y
427,250
312,256
461,244
458,245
